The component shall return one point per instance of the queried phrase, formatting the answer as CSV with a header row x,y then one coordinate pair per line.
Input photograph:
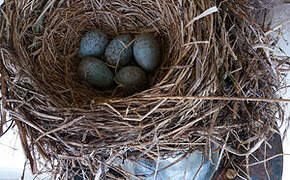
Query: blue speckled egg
x,y
146,51
93,44
131,78
95,72
119,51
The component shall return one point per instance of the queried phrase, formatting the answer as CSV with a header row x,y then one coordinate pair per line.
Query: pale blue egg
x,y
120,50
146,51
131,78
95,72
93,44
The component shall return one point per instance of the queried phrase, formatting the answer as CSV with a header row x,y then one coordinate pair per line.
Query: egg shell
x,y
131,78
93,44
146,51
120,50
95,72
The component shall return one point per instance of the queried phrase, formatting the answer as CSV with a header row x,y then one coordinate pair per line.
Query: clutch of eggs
x,y
101,57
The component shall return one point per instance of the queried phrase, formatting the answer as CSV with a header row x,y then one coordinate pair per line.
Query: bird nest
x,y
213,85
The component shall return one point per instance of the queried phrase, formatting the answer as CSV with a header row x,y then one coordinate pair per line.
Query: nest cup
x,y
65,119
